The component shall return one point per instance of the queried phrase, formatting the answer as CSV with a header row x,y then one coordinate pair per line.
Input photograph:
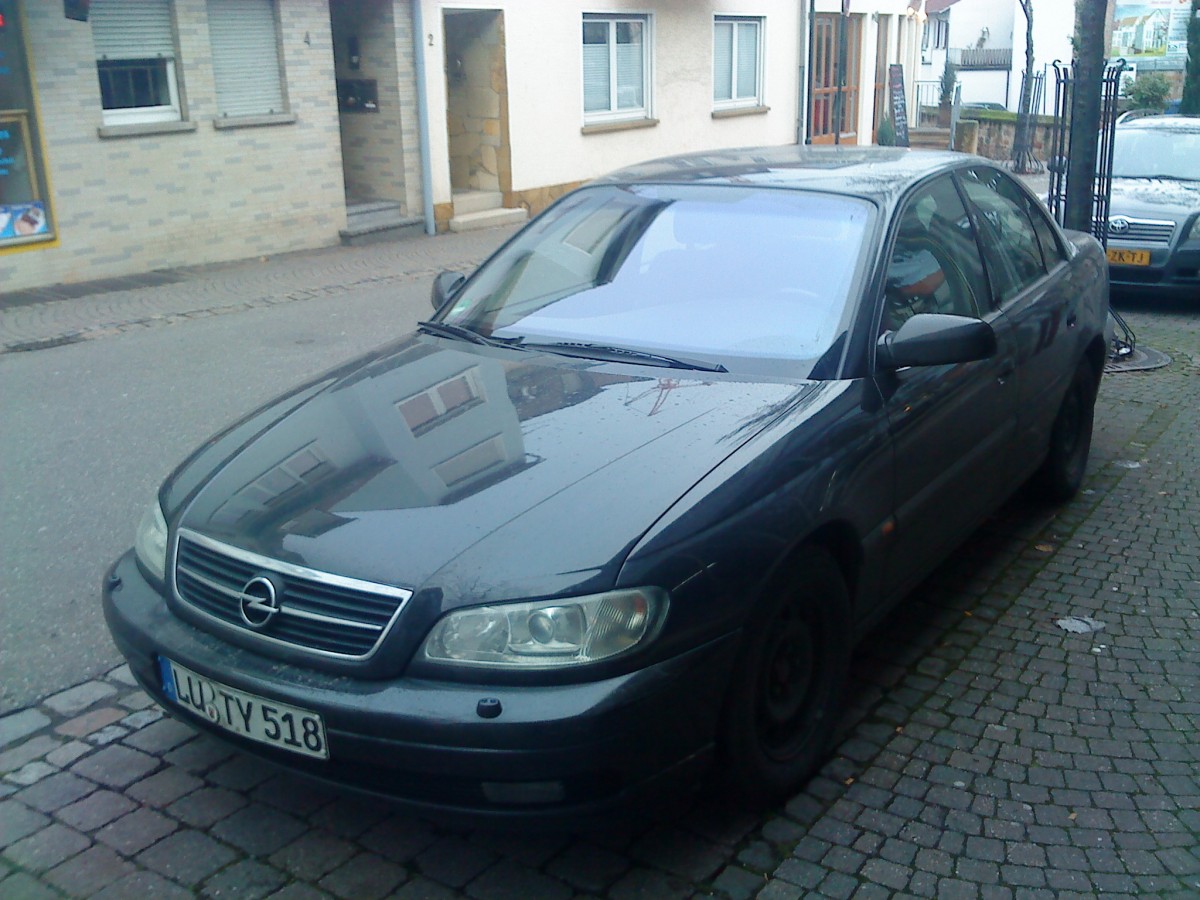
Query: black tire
x,y
786,694
1061,474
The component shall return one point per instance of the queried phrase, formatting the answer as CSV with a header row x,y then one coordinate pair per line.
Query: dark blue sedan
x,y
623,506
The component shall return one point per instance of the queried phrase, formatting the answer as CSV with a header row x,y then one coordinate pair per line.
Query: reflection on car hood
x,y
420,456
1154,198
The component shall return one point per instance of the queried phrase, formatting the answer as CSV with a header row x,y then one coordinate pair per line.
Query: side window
x,y
737,67
616,67
935,265
135,61
1052,250
1010,244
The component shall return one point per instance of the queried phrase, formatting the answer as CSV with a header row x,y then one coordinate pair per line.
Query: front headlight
x,y
150,545
1193,233
547,634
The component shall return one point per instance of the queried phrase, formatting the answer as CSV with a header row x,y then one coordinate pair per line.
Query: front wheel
x,y
1061,474
786,692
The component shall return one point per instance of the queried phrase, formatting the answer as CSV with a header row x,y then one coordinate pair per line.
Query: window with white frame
x,y
244,35
134,42
616,67
737,62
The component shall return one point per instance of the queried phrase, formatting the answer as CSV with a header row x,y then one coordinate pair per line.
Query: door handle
x,y
1004,375
1072,318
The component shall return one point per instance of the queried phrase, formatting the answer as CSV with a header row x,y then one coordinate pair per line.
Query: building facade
x,y
138,135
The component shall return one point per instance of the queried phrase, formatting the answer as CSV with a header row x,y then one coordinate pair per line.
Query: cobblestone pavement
x,y
988,751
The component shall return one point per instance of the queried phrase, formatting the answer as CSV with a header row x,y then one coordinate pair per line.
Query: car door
x,y
951,426
1031,282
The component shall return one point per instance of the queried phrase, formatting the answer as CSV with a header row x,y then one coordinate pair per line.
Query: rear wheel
x,y
1062,472
786,693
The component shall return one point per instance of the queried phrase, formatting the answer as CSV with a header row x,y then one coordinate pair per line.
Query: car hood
x,y
478,471
1154,198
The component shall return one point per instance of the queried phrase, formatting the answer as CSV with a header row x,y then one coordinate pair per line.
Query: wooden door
x,y
824,79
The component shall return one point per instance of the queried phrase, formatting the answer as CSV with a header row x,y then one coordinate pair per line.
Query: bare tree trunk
x,y
1090,18
1023,158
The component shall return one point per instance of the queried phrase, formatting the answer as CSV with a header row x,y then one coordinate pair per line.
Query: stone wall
x,y
996,136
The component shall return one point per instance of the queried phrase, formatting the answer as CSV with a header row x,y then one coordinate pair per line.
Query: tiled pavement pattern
x,y
988,753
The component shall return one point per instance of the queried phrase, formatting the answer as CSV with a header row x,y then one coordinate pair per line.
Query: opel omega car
x,y
1154,213
620,509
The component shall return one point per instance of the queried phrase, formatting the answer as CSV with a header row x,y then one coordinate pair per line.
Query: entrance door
x,y
477,101
824,81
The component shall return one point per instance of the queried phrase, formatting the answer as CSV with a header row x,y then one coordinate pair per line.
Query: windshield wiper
x,y
462,333
624,354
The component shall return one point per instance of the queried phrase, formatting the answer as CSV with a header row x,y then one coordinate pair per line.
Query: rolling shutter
x,y
747,59
132,29
245,50
723,61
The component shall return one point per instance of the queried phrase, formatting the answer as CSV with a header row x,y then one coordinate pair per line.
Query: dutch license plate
x,y
257,718
1129,257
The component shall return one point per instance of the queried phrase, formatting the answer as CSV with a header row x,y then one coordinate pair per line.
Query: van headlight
x,y
549,633
150,544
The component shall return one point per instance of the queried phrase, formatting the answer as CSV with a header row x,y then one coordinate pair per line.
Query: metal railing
x,y
980,57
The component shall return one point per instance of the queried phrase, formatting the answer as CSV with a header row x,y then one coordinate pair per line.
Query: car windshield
x,y
1157,153
730,275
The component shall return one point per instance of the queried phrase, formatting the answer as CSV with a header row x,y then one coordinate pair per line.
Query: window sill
x,y
142,129
627,125
740,111
254,121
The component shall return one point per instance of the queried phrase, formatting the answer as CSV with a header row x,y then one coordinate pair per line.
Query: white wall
x,y
544,71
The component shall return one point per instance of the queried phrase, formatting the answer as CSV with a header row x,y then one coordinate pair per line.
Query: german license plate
x,y
1129,257
257,718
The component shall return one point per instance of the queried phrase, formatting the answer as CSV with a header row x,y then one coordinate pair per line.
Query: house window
x,y
244,35
135,61
737,55
616,69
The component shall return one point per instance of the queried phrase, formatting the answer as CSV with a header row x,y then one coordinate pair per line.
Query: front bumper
x,y
1173,272
578,749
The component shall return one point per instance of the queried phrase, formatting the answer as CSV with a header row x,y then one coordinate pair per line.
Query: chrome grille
x,y
1124,228
325,614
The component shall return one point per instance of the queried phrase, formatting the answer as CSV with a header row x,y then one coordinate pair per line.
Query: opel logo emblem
x,y
1118,225
258,602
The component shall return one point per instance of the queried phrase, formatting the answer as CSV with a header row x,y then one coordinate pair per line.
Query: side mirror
x,y
445,286
934,339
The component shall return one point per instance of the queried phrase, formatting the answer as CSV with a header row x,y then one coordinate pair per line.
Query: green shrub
x,y
886,136
1148,91
949,79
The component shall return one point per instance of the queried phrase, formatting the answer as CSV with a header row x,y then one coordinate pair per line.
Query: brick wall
x,y
142,202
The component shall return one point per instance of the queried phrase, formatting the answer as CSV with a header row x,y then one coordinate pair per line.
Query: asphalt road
x,y
90,429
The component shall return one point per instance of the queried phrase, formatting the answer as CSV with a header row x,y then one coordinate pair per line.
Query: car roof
x,y
1171,123
878,173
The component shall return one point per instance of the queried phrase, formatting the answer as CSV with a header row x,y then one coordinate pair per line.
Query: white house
x,y
985,41
139,135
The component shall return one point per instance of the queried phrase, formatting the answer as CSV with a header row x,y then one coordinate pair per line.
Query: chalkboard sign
x,y
899,104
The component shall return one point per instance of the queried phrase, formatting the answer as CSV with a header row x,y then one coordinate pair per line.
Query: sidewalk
x,y
63,314
30,320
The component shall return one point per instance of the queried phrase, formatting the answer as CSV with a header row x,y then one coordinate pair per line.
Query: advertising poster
x,y
25,215
1151,28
